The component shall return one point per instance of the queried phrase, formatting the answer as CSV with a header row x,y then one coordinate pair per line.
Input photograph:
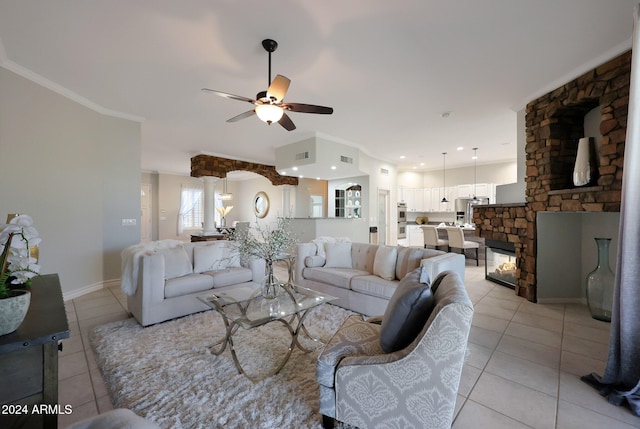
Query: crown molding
x,y
28,74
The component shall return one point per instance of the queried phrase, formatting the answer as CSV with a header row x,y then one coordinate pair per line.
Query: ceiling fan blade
x,y
308,108
287,123
230,96
278,88
242,116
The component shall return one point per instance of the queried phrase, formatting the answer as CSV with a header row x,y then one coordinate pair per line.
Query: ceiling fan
x,y
270,106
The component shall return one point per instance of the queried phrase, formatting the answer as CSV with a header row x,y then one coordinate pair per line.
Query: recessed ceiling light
x,y
460,148
294,168
301,176
402,157
317,178
284,173
333,167
414,167
422,163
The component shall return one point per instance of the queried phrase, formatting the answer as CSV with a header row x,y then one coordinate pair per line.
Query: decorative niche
x,y
563,139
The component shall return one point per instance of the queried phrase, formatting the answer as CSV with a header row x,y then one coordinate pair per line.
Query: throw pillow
x,y
208,258
320,243
408,310
384,264
231,254
338,255
408,260
176,262
314,261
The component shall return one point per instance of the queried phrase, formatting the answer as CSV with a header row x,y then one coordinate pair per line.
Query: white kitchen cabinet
x,y
426,200
486,190
415,236
465,191
418,200
414,197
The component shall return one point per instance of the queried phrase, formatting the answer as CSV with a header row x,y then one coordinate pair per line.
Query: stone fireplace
x,y
554,123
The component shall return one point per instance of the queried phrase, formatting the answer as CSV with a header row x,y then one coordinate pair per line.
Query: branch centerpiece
x,y
267,242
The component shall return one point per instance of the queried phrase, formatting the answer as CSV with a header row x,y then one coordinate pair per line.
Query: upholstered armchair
x,y
409,379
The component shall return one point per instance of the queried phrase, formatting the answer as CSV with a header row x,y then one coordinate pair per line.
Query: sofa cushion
x,y
384,264
408,260
187,284
176,262
208,258
374,285
407,312
363,256
314,261
230,276
338,255
231,254
340,277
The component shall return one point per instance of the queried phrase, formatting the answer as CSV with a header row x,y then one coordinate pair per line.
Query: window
x,y
191,208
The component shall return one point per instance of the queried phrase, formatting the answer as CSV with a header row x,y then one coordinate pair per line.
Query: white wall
x,y
567,252
498,173
77,173
516,192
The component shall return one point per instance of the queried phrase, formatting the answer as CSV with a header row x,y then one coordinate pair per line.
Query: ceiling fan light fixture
x,y
269,113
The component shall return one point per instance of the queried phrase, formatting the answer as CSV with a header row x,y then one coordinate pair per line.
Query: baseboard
x,y
582,301
77,293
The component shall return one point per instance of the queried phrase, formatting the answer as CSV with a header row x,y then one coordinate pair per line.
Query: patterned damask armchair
x,y
413,387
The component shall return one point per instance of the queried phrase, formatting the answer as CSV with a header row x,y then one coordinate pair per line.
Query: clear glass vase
x,y
600,284
270,284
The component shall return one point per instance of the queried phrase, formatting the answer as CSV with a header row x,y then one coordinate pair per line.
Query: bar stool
x,y
431,238
457,241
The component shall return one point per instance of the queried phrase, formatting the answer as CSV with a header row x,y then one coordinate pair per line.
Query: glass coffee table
x,y
245,307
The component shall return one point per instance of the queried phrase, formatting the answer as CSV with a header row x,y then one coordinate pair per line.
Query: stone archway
x,y
207,165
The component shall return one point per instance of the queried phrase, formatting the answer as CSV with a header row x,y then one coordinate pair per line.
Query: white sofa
x,y
169,279
364,276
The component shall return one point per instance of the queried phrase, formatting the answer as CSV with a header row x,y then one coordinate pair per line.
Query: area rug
x,y
167,373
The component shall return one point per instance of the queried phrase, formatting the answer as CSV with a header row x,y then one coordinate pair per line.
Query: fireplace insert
x,y
500,263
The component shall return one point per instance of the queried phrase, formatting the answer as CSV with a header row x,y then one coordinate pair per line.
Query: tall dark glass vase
x,y
600,284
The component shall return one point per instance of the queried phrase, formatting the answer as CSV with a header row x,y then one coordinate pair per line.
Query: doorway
x,y
383,216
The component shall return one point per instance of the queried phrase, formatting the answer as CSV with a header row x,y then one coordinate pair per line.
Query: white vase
x,y
582,167
13,310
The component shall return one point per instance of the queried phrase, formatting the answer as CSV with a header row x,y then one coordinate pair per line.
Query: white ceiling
x,y
389,69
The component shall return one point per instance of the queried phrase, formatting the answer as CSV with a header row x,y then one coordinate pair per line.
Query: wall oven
x,y
402,221
402,212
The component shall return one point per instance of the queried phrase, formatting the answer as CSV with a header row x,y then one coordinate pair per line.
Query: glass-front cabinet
x,y
349,202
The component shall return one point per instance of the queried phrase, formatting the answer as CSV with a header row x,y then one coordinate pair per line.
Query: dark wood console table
x,y
210,237
29,359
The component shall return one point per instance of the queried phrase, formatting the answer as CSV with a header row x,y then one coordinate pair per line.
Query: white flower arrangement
x,y
223,211
16,262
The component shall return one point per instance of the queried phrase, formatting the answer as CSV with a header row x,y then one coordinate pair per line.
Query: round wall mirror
x,y
261,204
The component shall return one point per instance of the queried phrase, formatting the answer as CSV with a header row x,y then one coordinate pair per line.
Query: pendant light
x,y
475,169
225,196
444,181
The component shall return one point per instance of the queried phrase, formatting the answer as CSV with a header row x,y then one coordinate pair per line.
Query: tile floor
x,y
522,370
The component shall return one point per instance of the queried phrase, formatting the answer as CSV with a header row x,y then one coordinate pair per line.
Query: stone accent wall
x,y
206,165
554,123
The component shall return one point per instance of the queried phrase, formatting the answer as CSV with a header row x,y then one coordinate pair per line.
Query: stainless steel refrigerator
x,y
464,208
